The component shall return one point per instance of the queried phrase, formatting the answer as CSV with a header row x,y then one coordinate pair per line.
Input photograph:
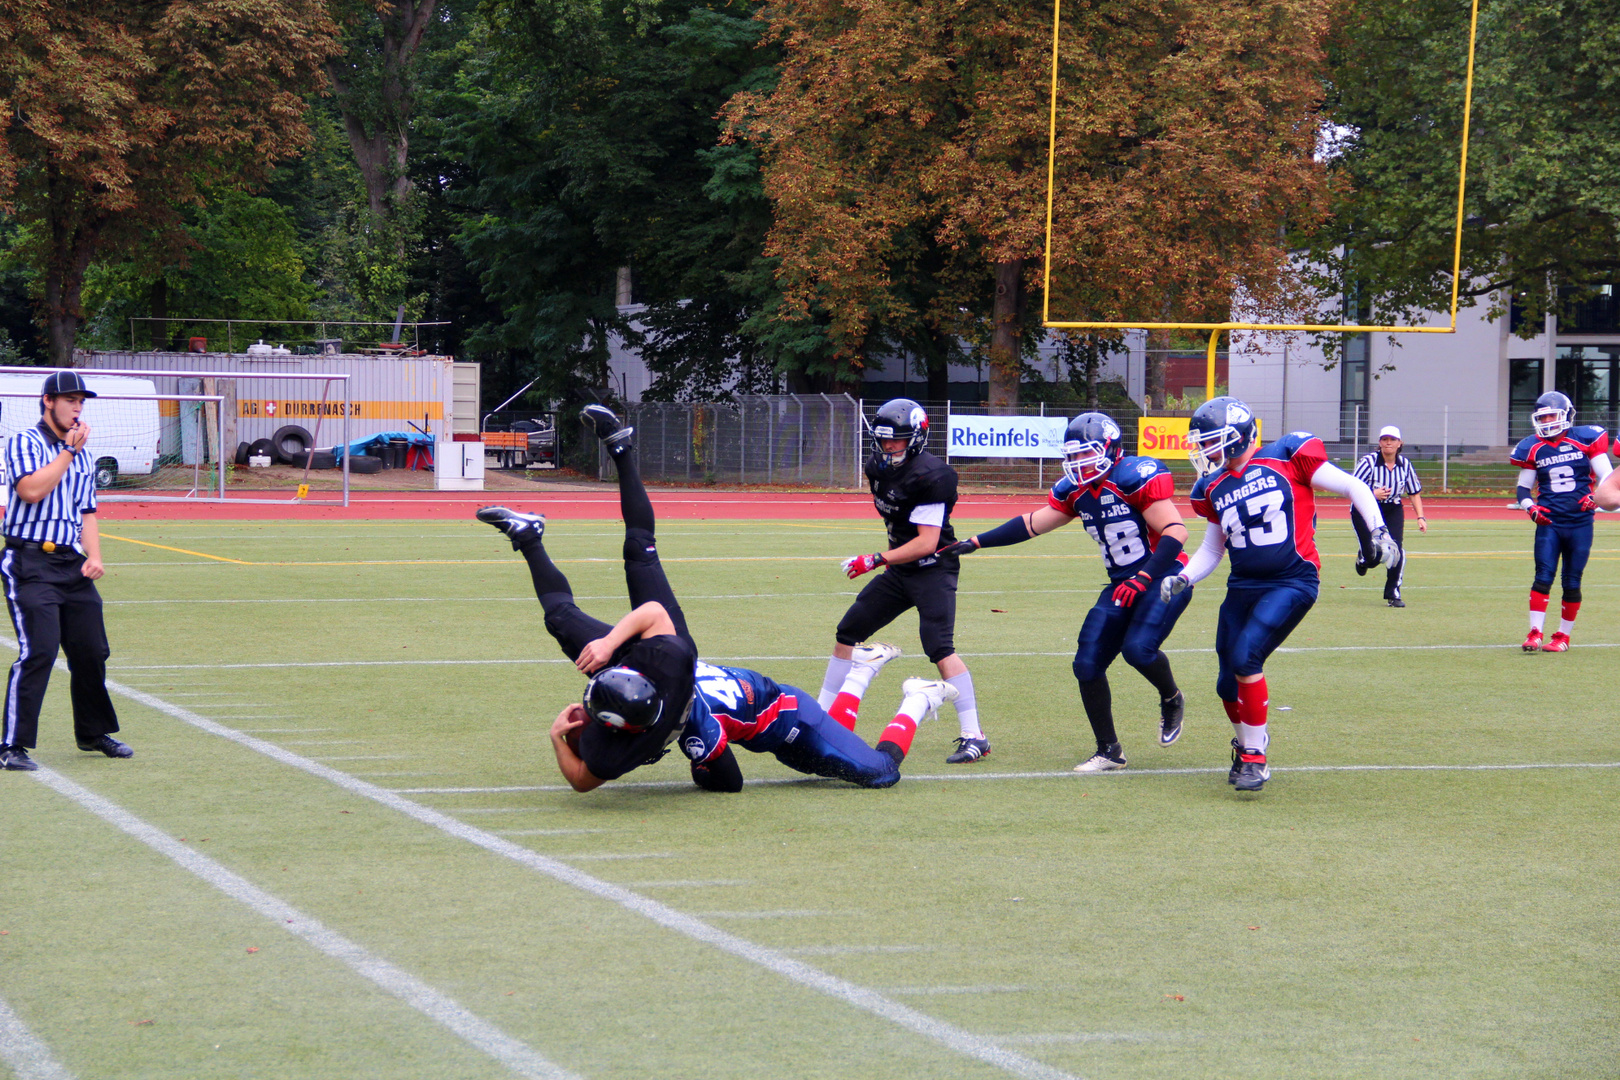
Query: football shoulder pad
x,y
1300,449
1593,439
1524,455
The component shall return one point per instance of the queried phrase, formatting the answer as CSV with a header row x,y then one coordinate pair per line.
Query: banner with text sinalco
x,y
1166,437
1005,436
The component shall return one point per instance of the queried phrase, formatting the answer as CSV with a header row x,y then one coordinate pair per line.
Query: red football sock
x,y
1571,610
846,709
1251,707
1538,601
1232,711
900,732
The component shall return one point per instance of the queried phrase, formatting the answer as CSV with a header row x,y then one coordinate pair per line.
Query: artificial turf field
x,y
342,849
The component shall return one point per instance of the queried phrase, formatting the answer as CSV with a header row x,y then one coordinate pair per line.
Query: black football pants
x,y
53,605
1395,521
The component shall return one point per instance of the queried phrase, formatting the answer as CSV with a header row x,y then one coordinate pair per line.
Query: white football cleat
x,y
1102,762
875,654
934,691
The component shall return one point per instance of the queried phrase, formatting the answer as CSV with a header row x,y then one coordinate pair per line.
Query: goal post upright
x,y
1215,328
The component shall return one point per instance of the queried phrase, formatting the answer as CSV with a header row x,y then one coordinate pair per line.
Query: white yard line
x,y
476,1032
29,1058
949,1035
1512,647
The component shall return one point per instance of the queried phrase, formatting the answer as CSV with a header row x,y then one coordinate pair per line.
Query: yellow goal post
x,y
1215,328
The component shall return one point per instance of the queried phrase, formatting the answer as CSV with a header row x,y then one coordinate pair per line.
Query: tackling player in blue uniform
x,y
1261,508
1124,503
1562,462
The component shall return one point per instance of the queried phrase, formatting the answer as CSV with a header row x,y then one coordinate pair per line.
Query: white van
x,y
123,433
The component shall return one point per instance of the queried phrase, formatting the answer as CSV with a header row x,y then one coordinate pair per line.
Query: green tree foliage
x,y
118,113
1544,154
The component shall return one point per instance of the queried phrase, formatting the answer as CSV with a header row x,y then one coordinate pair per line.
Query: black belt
x,y
49,547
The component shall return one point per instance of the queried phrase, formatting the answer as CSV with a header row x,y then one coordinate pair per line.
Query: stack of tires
x,y
293,445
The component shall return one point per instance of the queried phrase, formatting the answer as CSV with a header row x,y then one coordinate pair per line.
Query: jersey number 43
x,y
1260,523
719,684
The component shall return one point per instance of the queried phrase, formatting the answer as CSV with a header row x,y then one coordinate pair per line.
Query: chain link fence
x,y
814,439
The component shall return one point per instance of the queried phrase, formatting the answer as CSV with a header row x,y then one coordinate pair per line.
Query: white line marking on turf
x,y
29,1058
473,1030
958,1039
817,657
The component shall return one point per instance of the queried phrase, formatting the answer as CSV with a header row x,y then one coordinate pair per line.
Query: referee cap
x,y
66,382
1390,431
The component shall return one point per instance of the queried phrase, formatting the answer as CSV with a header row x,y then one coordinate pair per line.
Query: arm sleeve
x,y
1013,531
1163,559
1602,466
719,773
1208,555
1527,479
1329,477
928,514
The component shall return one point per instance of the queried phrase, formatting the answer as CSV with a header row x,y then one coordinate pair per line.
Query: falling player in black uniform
x,y
643,668
913,491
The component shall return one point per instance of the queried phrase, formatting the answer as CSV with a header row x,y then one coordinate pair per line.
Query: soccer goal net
x,y
151,442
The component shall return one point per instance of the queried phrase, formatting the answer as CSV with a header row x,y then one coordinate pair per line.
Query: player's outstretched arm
x,y
719,773
648,620
1607,494
1013,531
1200,566
1329,477
564,743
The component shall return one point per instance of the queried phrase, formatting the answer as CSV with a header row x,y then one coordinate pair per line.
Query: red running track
x,y
681,504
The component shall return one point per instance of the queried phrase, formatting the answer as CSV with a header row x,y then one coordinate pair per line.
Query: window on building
x,y
1524,386
1598,314
1353,371
1589,375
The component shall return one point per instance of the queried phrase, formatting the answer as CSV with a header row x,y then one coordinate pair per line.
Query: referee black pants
x,y
53,605
1395,522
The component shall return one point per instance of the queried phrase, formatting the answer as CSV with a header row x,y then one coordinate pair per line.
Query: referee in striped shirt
x,y
1391,477
49,570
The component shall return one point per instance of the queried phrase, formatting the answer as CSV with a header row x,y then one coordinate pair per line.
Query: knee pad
x,y
940,652
1542,587
1138,656
1226,686
1085,669
1572,596
640,546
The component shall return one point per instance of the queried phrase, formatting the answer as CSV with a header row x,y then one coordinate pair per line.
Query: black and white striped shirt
x,y
57,517
1400,478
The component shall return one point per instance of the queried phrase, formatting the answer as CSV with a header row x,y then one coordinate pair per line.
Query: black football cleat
x,y
1397,602
16,759
969,750
106,744
1361,567
613,432
1171,714
1237,763
522,529
1252,770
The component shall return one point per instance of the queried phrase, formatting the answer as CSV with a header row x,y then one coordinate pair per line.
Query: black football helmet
x,y
1092,443
1221,431
901,418
1553,415
622,699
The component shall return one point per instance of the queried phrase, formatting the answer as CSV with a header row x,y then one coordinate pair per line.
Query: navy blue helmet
x,y
1092,443
1553,415
1221,431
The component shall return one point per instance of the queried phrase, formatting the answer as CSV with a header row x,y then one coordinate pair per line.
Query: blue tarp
x,y
382,438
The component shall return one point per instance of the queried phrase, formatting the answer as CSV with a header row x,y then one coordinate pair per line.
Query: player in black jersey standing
x,y
913,491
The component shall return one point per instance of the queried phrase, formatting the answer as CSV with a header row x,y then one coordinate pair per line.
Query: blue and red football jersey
x,y
1563,468
734,705
1268,511
1111,511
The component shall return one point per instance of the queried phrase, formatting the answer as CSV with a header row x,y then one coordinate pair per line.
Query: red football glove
x,y
863,564
1126,592
1539,514
1588,503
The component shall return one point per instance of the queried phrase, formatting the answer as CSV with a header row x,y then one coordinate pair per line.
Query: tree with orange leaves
x,y
114,114
1185,144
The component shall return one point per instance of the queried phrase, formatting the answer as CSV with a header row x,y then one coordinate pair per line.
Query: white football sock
x,y
837,671
1538,619
967,706
858,678
1565,626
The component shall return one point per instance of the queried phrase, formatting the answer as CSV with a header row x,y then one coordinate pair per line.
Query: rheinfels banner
x,y
1006,436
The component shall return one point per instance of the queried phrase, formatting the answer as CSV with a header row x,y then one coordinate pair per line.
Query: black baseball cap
x,y
66,382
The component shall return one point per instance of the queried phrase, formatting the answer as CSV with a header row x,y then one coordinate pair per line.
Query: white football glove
x,y
1170,586
1385,550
